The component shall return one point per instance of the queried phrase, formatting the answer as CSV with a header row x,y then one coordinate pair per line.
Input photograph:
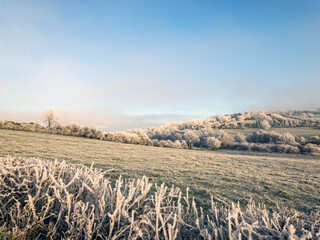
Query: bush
x,y
265,125
240,138
310,148
244,146
213,143
262,136
53,200
314,140
284,148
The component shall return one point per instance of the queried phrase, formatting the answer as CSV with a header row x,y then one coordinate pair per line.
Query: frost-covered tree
x,y
213,143
240,118
240,138
304,115
50,117
265,125
310,115
191,138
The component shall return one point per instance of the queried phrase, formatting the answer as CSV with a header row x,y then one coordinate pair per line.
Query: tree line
x,y
203,134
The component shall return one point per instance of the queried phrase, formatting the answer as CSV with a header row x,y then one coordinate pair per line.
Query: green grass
x,y
298,131
287,179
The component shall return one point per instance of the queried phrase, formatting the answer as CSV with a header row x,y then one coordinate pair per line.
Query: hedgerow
x,y
207,134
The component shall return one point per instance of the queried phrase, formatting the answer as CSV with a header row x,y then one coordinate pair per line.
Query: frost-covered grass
x,y
287,180
297,131
53,200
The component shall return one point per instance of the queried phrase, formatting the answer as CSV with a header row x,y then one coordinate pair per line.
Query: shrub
x,y
256,147
314,139
240,138
301,140
265,125
244,146
213,143
191,138
262,136
310,148
224,138
284,148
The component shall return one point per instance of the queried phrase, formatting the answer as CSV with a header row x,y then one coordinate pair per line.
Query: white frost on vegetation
x,y
53,200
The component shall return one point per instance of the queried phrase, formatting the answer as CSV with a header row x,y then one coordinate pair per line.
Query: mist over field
x,y
104,122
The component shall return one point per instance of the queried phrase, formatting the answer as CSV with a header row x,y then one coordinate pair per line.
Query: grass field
x,y
298,131
290,180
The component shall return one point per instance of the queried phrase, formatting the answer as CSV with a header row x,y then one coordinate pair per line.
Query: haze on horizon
x,y
129,64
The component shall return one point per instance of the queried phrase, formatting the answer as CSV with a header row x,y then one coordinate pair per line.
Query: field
x,y
298,131
287,179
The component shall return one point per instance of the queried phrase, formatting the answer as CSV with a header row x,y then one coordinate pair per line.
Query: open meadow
x,y
297,131
291,180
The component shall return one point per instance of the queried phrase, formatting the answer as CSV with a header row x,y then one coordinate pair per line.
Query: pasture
x,y
286,179
298,131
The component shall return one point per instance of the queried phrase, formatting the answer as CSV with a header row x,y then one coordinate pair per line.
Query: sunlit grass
x,y
53,200
289,180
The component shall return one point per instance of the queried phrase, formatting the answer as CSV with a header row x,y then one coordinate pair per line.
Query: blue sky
x,y
127,64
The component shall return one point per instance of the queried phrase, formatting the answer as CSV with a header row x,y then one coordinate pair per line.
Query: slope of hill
x,y
287,132
287,179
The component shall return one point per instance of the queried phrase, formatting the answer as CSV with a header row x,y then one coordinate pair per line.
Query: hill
x,y
284,132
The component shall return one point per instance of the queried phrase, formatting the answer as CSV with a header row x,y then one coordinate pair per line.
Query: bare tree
x,y
50,117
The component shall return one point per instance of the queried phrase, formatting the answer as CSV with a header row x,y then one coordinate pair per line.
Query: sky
x,y
136,64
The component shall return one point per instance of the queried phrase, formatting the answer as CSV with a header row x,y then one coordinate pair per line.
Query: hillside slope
x,y
290,180
285,132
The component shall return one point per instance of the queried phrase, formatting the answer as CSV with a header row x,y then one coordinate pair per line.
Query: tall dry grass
x,y
53,200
